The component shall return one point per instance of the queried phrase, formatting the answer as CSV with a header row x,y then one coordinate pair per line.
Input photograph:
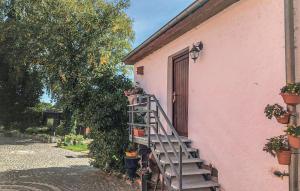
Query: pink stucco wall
x,y
297,38
240,70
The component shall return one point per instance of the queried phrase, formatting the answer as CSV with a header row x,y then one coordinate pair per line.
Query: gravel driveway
x,y
30,166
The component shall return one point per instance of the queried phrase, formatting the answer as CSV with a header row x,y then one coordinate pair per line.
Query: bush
x,y
60,129
104,110
37,130
107,149
71,139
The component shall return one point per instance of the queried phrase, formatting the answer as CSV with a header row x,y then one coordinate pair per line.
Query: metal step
x,y
184,161
140,111
188,172
159,150
198,185
172,139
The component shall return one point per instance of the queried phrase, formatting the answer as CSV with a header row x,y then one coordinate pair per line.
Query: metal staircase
x,y
178,162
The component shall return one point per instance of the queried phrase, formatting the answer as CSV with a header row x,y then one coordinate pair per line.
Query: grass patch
x,y
76,148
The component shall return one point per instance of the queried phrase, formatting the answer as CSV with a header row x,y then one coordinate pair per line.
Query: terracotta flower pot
x,y
132,154
294,141
138,132
132,98
290,99
284,157
284,119
87,131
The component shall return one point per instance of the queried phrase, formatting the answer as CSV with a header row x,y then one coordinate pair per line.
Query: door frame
x,y
170,82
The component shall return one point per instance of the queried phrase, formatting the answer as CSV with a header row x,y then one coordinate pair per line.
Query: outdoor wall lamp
x,y
195,51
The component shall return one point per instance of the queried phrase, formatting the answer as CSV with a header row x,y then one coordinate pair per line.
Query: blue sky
x,y
149,16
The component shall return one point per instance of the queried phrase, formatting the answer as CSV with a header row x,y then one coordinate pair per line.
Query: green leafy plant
x,y
37,130
134,90
60,128
107,149
77,148
276,144
275,110
140,118
131,147
293,88
72,139
293,130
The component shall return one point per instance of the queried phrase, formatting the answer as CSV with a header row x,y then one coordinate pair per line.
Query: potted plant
x,y
276,110
278,146
133,93
293,133
131,160
131,151
138,132
291,93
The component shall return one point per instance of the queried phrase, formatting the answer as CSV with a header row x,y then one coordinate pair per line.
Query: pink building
x,y
218,100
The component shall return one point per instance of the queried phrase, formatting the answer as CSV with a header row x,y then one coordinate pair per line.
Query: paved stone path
x,y
30,166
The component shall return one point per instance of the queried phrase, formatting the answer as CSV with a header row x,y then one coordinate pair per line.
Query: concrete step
x,y
195,186
188,172
159,150
172,139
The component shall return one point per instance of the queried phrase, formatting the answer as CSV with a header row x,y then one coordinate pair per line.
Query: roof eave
x,y
192,16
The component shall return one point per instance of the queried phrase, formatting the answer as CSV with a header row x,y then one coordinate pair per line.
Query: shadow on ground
x,y
6,140
73,178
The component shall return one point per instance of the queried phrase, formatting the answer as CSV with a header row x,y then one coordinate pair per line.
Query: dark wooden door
x,y
180,93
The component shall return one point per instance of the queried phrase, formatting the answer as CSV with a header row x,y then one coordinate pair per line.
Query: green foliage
x,y
107,149
40,107
293,130
20,89
134,90
70,41
37,130
275,110
60,129
131,147
293,88
77,148
139,118
71,139
76,47
103,107
276,144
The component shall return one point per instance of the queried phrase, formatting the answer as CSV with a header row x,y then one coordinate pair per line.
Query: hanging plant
x,y
291,93
276,110
278,146
293,133
139,131
134,90
131,150
132,93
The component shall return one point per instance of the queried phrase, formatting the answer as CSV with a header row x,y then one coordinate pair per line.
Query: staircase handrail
x,y
172,128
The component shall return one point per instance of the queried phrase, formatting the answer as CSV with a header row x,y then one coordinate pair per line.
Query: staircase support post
x,y
148,120
291,78
180,168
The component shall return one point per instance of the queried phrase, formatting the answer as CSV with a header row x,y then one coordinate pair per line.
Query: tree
x,y
71,42
103,107
20,88
77,47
